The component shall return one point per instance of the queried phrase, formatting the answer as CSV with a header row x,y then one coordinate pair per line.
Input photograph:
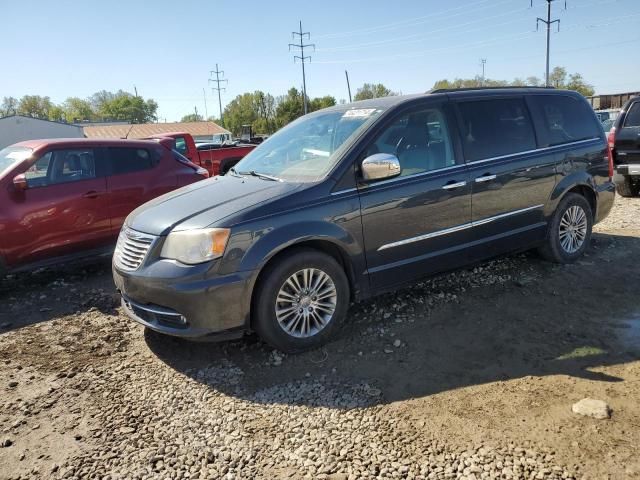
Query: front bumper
x,y
185,301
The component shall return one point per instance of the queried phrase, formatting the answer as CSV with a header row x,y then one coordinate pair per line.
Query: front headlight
x,y
195,246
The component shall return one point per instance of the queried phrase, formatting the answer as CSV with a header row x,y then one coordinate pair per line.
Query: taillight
x,y
611,143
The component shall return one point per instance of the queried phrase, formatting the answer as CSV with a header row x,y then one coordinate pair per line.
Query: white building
x,y
17,128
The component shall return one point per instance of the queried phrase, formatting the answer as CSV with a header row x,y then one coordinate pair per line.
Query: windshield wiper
x,y
263,176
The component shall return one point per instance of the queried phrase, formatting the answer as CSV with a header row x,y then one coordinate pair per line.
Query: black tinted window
x,y
62,166
633,116
128,160
492,128
566,119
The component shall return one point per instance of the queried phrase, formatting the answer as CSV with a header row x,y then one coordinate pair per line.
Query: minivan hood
x,y
204,203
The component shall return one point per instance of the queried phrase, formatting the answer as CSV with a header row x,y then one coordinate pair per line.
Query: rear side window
x,y
566,119
493,128
129,160
633,116
181,145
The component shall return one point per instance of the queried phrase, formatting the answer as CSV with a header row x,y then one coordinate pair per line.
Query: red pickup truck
x,y
216,158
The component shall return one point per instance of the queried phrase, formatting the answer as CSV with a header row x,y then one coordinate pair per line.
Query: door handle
x,y
91,194
485,178
451,186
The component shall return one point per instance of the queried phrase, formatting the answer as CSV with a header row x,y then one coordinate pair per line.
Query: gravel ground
x,y
469,375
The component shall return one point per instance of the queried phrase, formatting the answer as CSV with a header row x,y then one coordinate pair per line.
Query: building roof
x,y
26,117
144,130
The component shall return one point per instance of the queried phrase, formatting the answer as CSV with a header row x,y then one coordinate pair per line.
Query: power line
x,y
419,37
217,81
420,53
548,22
301,35
416,20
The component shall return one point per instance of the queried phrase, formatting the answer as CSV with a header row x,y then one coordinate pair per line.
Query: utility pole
x,y
548,22
206,111
217,81
346,74
302,59
483,61
195,110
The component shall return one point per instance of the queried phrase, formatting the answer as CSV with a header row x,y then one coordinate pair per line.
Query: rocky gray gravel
x,y
88,394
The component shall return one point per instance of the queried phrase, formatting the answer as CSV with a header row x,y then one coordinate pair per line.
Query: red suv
x,y
67,198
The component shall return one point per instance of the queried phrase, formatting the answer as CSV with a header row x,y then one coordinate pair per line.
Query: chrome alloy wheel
x,y
573,229
306,303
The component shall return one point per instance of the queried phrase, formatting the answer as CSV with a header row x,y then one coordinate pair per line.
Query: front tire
x,y
301,301
569,232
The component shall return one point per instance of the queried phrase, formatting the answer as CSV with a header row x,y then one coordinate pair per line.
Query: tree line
x,y
101,106
558,78
268,113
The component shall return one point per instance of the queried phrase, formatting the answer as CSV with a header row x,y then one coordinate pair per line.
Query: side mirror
x,y
380,165
20,182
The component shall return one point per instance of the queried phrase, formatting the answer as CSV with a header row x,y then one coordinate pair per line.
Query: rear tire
x,y
626,188
301,301
569,232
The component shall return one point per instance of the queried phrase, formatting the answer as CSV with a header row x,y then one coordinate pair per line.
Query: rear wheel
x,y
301,301
569,230
627,187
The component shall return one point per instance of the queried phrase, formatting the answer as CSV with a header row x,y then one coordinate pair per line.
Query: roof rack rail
x,y
465,89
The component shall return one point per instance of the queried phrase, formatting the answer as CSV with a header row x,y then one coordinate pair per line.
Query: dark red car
x,y
66,199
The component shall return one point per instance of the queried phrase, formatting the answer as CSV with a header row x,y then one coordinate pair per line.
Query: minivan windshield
x,y
12,155
307,149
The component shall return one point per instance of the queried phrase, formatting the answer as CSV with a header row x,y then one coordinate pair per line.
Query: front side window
x,y
566,119
493,128
420,140
307,149
633,117
129,160
62,166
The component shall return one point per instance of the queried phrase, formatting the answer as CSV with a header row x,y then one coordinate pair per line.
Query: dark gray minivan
x,y
357,199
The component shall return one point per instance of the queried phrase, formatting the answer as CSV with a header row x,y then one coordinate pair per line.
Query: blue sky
x,y
68,48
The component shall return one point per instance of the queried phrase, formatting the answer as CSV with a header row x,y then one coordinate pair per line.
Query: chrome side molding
x,y
457,228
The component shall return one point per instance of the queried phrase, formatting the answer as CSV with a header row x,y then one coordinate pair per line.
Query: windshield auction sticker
x,y
361,112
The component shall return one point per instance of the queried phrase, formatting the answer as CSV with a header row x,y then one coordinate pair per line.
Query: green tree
x,y
192,117
76,110
125,106
558,77
57,114
321,102
577,83
289,107
9,106
265,105
240,111
373,90
35,106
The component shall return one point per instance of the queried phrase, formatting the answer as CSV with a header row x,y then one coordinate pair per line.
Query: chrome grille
x,y
131,249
